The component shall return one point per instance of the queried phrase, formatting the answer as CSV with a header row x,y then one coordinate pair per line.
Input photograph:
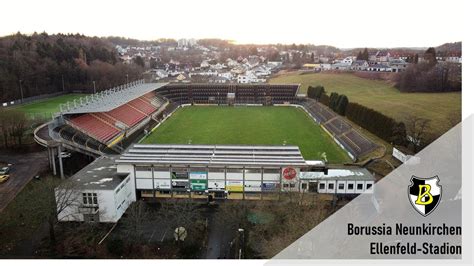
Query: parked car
x,y
5,170
4,178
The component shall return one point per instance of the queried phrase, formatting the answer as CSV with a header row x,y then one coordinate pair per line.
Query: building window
x,y
304,186
350,186
322,186
369,186
359,186
89,198
341,186
331,186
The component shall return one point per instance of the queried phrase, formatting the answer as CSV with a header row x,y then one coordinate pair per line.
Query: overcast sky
x,y
342,23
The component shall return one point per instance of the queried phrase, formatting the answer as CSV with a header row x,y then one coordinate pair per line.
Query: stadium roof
x,y
108,100
101,174
213,155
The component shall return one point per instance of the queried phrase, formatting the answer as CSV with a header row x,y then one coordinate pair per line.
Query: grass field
x,y
248,125
46,107
381,96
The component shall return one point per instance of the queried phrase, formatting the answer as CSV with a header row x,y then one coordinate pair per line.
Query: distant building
x,y
312,67
398,65
186,43
204,64
161,74
249,77
382,56
218,80
360,65
379,68
347,60
454,59
340,66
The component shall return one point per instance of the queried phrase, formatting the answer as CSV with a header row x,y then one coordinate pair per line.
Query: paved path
x,y
25,167
219,238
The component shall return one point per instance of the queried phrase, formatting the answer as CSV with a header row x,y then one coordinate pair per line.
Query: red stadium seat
x,y
127,114
95,127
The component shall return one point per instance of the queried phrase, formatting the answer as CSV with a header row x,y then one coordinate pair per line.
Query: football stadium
x,y
202,141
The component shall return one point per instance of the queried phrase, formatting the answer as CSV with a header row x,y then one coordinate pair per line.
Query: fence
x,y
32,99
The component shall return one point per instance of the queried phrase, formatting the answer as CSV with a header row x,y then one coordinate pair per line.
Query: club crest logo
x,y
424,194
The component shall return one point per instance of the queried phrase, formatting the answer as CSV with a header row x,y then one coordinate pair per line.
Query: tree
x,y
13,125
333,97
139,61
53,198
399,134
417,128
138,214
315,92
42,62
341,104
430,56
179,213
365,55
18,125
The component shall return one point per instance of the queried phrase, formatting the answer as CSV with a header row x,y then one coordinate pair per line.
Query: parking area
x,y
23,168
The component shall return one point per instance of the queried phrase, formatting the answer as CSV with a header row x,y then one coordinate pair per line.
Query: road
x,y
25,167
219,237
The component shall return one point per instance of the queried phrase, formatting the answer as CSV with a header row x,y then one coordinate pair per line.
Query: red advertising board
x,y
289,173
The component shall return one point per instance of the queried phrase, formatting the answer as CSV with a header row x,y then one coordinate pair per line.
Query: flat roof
x,y
339,174
212,155
108,100
101,174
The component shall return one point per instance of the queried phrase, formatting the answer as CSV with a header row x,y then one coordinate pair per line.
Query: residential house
x,y
219,80
249,77
161,74
398,65
382,56
379,68
360,65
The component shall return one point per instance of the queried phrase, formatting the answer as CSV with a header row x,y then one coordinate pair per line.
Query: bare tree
x,y
417,129
179,213
138,214
13,125
53,198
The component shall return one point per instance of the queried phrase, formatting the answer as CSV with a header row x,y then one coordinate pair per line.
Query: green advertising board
x,y
198,185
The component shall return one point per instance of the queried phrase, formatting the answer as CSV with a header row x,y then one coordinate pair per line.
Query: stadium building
x,y
107,126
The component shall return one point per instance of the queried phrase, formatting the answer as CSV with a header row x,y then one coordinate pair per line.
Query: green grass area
x,y
46,107
248,126
22,217
383,97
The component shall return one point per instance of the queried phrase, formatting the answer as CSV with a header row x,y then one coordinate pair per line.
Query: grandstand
x,y
97,123
262,94
353,141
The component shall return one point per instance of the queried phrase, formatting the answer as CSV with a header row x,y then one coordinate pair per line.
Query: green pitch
x,y
248,126
46,107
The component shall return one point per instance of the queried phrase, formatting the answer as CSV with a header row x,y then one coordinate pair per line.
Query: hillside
x,y
379,95
42,63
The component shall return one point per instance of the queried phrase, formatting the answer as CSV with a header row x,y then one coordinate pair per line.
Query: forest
x,y
36,64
